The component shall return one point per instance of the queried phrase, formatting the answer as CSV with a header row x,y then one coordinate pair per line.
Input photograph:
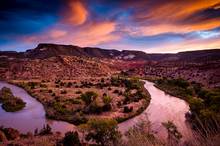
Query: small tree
x,y
103,131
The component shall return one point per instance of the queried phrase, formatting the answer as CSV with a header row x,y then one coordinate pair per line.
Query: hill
x,y
68,61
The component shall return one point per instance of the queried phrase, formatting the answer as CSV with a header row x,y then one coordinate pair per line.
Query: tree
x,y
103,131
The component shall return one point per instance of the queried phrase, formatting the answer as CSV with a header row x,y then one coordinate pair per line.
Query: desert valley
x,y
110,73
92,86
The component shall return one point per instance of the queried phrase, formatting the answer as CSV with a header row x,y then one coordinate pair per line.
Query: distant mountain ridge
x,y
43,51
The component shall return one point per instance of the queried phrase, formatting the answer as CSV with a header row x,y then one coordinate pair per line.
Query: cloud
x,y
57,33
187,45
158,29
175,17
91,34
96,33
117,24
76,13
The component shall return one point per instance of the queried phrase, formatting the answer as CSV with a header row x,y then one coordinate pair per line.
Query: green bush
x,y
106,99
103,131
88,97
93,108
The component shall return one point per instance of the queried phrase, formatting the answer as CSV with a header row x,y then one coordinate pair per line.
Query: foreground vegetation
x,y
103,132
204,103
10,103
77,101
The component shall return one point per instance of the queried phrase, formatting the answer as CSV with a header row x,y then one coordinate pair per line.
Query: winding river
x,y
162,108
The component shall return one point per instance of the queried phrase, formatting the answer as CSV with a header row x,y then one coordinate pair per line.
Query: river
x,y
162,108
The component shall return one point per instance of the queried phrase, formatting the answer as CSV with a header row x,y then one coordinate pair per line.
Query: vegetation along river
x,y
162,108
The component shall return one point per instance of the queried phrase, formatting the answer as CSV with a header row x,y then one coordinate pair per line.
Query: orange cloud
x,y
57,34
96,33
177,9
174,17
173,28
77,13
88,35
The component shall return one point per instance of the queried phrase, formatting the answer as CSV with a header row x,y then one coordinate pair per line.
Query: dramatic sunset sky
x,y
147,25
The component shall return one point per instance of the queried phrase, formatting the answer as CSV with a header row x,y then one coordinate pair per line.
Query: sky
x,y
153,26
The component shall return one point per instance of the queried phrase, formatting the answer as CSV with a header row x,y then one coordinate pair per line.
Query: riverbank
x,y
204,103
62,100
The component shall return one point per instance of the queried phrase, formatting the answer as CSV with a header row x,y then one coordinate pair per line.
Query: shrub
x,y
103,131
115,81
46,130
107,107
116,91
93,108
106,99
63,92
32,84
79,118
10,133
71,139
69,84
132,84
43,85
78,92
173,133
127,109
74,101
88,97
57,81
5,93
196,104
62,84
